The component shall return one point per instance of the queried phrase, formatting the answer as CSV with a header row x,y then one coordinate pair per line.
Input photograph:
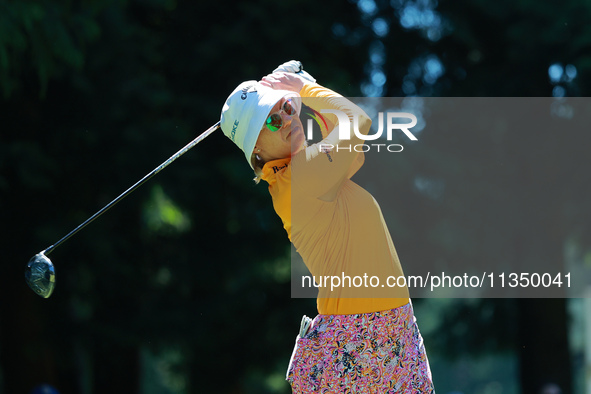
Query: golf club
x,y
40,272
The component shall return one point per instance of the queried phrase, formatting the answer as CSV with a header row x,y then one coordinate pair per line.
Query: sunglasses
x,y
275,121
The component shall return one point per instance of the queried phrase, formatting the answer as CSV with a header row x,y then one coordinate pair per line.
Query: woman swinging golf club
x,y
363,340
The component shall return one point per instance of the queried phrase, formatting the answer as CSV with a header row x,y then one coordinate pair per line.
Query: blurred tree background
x,y
184,286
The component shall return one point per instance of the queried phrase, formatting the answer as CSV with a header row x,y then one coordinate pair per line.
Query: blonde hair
x,y
257,165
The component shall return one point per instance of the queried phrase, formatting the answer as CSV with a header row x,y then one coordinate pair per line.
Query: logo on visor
x,y
233,133
247,89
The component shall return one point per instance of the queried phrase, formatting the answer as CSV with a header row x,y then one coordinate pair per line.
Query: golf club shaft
x,y
135,186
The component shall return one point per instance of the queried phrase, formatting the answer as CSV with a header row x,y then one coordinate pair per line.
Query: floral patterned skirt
x,y
380,352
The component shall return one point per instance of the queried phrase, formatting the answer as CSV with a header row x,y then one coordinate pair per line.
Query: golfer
x,y
364,340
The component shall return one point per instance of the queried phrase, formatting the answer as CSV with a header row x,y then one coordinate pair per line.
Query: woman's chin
x,y
298,143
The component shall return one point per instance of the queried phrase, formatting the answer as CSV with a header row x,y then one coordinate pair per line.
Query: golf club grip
x,y
135,186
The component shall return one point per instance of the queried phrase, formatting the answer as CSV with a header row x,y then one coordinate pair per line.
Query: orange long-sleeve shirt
x,y
335,225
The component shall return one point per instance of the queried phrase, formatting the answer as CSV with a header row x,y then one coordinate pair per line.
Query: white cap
x,y
246,110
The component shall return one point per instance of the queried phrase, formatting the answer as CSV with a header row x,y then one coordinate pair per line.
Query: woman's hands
x,y
294,66
284,81
288,76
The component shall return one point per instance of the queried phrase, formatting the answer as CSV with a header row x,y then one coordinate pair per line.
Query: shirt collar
x,y
271,168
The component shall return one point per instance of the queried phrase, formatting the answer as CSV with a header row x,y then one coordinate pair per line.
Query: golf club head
x,y
40,275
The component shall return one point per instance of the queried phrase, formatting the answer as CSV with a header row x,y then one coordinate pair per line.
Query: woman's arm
x,y
327,164
322,167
